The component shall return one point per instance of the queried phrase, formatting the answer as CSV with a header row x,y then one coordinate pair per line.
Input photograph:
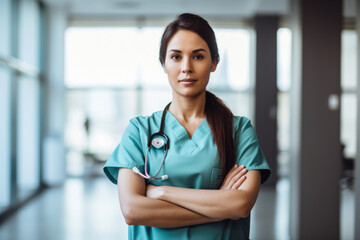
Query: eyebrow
x,y
195,51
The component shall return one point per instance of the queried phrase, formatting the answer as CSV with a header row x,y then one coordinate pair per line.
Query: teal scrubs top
x,y
190,163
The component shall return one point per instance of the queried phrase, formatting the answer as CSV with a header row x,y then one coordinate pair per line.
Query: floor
x,y
89,209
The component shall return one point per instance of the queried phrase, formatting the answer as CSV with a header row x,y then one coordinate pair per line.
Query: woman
x,y
201,141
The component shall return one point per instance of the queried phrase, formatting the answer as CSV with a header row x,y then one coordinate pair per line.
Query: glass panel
x,y
5,78
29,32
284,59
101,57
349,59
240,103
154,100
151,72
349,124
233,70
349,99
28,136
92,130
5,26
283,121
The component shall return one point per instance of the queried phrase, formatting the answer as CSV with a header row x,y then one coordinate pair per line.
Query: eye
x,y
175,57
198,57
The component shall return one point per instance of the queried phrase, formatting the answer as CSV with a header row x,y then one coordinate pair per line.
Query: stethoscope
x,y
156,141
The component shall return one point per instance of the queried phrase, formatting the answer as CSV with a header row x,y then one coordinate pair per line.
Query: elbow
x,y
130,214
127,215
240,214
242,211
130,221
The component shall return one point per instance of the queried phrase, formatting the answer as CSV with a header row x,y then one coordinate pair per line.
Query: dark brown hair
x,y
192,22
218,115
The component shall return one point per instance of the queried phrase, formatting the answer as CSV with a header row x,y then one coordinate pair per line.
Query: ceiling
x,y
164,8
230,11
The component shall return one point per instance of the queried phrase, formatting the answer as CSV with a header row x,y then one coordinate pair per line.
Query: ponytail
x,y
220,120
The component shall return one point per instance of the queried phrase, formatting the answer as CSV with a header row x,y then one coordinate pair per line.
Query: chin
x,y
191,94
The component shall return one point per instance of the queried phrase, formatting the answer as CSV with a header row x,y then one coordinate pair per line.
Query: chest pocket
x,y
216,178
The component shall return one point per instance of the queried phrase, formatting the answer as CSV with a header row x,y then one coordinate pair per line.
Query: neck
x,y
187,108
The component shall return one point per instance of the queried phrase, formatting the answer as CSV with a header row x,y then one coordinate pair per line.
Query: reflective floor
x,y
88,209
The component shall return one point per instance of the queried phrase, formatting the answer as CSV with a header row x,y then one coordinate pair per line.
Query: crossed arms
x,y
169,207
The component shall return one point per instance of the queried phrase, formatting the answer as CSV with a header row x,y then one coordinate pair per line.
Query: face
x,y
188,64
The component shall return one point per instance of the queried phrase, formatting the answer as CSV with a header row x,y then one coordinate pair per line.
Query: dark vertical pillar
x,y
42,42
357,161
266,89
315,124
14,103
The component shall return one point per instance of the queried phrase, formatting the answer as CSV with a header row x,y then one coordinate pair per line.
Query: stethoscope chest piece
x,y
157,142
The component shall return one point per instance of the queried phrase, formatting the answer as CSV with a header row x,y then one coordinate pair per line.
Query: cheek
x,y
170,70
206,70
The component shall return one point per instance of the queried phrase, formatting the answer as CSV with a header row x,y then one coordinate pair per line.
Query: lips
x,y
187,80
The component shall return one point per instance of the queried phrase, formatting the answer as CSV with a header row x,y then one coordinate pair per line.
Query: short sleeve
x,y
248,152
128,153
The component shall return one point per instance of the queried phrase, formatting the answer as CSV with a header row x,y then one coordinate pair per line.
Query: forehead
x,y
185,39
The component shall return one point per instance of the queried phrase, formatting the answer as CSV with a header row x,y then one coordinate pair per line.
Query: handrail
x,y
20,66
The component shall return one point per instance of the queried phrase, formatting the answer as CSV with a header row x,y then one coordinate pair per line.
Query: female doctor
x,y
192,171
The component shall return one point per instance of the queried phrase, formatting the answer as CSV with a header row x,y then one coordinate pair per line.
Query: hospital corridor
x,y
77,77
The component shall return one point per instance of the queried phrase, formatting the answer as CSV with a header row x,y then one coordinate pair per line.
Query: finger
x,y
240,174
227,178
238,183
237,177
232,173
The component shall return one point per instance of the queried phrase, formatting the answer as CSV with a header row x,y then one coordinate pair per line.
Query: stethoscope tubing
x,y
146,172
146,175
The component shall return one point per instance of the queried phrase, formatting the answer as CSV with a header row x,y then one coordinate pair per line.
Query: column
x,y
357,160
266,90
315,119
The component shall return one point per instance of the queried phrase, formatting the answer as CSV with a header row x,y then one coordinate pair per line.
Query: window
x,y
5,76
283,84
19,101
5,26
349,125
28,136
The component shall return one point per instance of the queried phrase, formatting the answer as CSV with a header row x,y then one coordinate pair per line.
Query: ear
x,y
213,66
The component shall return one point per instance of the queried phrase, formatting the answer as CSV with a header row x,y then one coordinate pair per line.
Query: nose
x,y
186,65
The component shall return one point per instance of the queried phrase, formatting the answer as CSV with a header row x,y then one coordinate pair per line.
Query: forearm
x,y
158,213
222,204
141,210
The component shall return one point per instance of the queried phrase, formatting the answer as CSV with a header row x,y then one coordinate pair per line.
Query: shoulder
x,y
145,121
241,123
140,127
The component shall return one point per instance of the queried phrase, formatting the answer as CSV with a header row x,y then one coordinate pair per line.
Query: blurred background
x,y
72,74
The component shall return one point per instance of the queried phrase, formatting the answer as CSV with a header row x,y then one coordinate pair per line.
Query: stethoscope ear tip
x,y
164,177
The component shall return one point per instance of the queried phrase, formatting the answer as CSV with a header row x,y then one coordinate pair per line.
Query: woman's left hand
x,y
154,192
235,177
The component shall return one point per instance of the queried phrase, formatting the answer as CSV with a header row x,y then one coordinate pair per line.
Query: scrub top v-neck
x,y
190,163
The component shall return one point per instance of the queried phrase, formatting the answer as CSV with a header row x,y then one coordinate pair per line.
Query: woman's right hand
x,y
234,178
